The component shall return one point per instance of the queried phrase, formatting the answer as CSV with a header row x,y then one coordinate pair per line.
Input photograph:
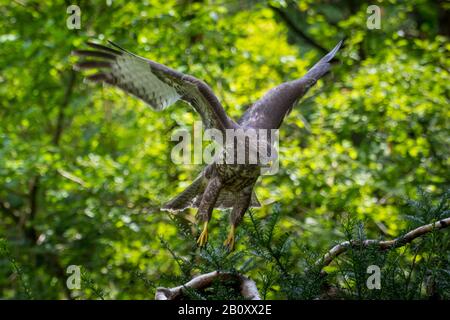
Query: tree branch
x,y
247,286
382,245
292,26
30,231
64,104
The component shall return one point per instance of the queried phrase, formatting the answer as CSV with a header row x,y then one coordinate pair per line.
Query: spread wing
x,y
154,83
270,110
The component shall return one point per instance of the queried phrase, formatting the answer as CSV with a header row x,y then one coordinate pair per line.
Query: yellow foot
x,y
203,238
229,242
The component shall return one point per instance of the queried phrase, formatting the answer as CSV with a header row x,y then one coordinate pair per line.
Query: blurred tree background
x,y
84,168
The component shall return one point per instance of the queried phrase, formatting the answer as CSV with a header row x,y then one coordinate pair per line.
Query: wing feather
x,y
154,83
271,109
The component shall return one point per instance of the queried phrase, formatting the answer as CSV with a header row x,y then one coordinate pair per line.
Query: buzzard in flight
x,y
219,185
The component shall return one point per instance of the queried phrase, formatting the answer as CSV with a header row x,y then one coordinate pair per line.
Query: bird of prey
x,y
219,185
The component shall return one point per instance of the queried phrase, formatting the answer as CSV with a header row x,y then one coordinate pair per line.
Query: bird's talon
x,y
203,238
229,242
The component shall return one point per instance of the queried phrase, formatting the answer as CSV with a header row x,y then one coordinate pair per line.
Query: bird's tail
x,y
189,198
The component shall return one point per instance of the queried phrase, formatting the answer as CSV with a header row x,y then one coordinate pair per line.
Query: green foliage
x,y
84,168
4,252
416,270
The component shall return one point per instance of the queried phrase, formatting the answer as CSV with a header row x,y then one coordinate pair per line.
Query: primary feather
x,y
154,83
270,111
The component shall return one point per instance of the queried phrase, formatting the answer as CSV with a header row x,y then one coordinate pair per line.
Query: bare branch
x,y
62,108
383,245
284,16
247,286
71,177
